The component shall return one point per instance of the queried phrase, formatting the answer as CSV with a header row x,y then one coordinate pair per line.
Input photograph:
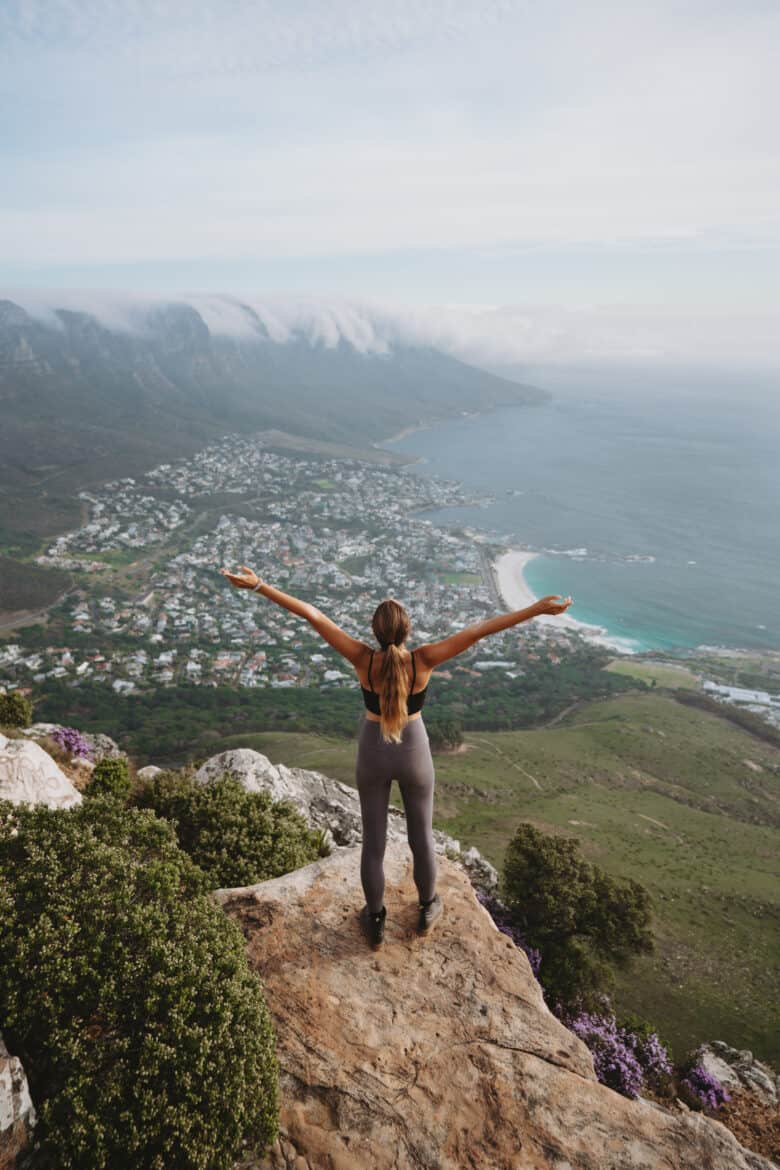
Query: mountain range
x,y
82,400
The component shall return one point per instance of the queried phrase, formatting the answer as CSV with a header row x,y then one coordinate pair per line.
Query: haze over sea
x,y
680,466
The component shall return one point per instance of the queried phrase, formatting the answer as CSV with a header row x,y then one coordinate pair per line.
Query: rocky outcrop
x,y
102,745
435,1053
330,805
737,1069
28,775
17,1114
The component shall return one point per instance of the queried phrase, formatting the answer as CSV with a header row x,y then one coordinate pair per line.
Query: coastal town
x,y
150,608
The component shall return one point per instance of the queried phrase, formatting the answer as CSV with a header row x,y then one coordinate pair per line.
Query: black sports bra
x,y
413,702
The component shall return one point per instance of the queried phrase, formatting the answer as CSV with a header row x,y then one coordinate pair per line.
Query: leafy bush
x,y
109,778
582,920
126,992
444,734
237,837
15,710
72,741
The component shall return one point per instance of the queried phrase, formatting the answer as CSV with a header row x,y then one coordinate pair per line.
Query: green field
x,y
460,578
27,586
655,791
665,676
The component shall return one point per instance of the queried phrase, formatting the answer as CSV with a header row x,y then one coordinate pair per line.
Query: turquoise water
x,y
680,468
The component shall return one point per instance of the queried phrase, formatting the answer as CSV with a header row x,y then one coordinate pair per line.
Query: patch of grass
x,y
665,676
119,556
459,578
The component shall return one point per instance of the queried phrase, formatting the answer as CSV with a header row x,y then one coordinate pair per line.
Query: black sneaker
x,y
373,925
429,913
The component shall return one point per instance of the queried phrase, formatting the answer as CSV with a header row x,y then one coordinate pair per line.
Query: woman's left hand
x,y
246,578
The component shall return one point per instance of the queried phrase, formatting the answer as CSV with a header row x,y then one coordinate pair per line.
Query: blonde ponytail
x,y
390,623
394,689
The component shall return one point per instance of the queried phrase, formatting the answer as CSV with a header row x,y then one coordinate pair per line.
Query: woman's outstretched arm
x,y
434,653
349,647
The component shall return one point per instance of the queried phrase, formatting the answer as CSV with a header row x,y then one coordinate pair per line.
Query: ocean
x,y
653,495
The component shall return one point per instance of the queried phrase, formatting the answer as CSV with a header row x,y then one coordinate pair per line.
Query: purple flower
x,y
651,1054
614,1060
71,741
704,1087
501,916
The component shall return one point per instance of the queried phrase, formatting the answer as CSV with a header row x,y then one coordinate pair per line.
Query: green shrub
x,y
15,710
322,842
582,920
126,992
444,734
109,778
237,837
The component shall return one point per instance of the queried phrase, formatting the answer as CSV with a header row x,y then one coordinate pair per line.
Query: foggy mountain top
x,y
479,334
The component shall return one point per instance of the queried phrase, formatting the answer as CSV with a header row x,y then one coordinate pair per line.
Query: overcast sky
x,y
600,161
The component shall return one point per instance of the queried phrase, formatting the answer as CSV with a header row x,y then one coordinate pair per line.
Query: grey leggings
x,y
411,764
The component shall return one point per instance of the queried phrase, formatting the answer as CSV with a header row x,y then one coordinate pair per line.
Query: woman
x,y
393,743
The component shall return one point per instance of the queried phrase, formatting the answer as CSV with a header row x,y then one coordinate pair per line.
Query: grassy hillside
x,y
676,797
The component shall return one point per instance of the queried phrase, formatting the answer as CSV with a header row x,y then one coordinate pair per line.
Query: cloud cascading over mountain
x,y
494,336
93,388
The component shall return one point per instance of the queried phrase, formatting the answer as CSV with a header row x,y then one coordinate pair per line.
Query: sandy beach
x,y
516,594
510,580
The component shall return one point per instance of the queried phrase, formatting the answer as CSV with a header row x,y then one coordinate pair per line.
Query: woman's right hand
x,y
245,579
553,604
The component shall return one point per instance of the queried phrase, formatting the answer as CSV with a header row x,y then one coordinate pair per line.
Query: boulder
x,y
438,1052
28,775
149,772
737,1069
329,805
17,1114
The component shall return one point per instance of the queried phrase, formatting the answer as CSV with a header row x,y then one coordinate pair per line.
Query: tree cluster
x,y
582,920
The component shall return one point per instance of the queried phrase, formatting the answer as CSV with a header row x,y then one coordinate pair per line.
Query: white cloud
x,y
483,335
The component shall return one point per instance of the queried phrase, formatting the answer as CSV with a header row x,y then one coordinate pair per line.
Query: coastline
x,y
410,430
507,569
516,594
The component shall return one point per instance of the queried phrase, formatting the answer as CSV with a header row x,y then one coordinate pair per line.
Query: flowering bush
x,y
650,1052
624,1058
614,1059
701,1088
500,915
72,741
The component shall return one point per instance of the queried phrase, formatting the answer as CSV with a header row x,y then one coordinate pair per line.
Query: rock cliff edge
x,y
438,1052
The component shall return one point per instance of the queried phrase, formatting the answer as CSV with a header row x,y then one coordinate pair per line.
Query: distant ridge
x,y
83,400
